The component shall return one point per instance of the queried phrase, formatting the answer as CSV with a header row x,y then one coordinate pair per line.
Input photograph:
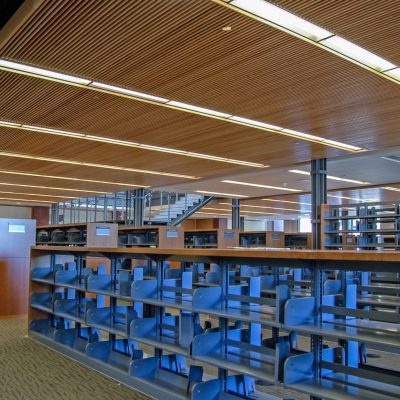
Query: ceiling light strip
x,y
241,211
394,189
27,200
351,198
11,66
270,208
71,179
283,20
220,194
50,188
261,186
77,135
86,164
288,201
334,178
37,194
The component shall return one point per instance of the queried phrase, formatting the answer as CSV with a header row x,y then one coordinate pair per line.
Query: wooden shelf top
x,y
60,226
310,255
143,228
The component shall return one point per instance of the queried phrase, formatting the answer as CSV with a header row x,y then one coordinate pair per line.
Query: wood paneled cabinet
x,y
16,238
298,240
211,238
262,239
163,237
95,234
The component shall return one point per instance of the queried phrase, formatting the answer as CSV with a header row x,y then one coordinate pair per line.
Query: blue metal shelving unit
x,y
245,320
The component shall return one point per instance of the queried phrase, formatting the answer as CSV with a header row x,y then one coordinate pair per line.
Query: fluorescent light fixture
x,y
276,17
50,188
27,200
334,178
249,212
299,171
41,72
253,122
352,198
394,189
287,201
210,213
86,164
270,208
201,110
261,186
220,194
282,19
393,73
357,53
320,140
71,179
126,143
37,194
128,92
109,89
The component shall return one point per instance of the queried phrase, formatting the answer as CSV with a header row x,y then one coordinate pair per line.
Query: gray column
x,y
138,207
54,213
235,214
318,197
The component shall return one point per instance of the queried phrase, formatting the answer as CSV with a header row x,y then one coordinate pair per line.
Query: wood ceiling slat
x,y
55,105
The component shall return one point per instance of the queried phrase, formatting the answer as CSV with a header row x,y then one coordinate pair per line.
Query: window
x,y
305,225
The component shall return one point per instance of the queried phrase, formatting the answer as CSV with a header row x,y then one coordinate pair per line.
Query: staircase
x,y
176,212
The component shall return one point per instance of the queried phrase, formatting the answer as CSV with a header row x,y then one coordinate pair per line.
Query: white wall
x,y
15,212
255,225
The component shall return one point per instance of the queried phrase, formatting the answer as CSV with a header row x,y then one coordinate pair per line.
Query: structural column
x,y
138,207
318,195
235,214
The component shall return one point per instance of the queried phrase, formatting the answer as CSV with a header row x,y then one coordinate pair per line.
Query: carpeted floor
x,y
29,371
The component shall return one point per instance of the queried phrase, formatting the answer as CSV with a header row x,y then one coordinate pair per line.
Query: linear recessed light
x,y
201,110
71,179
41,72
241,211
128,92
357,53
126,143
270,208
37,194
288,201
352,198
220,194
51,188
334,178
210,213
282,19
253,122
394,189
261,186
276,17
27,200
176,105
86,164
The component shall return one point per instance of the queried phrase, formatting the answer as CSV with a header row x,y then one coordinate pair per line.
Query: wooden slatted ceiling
x,y
178,50
372,24
35,101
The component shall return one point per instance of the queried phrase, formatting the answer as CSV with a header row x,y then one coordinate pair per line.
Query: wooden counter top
x,y
316,255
